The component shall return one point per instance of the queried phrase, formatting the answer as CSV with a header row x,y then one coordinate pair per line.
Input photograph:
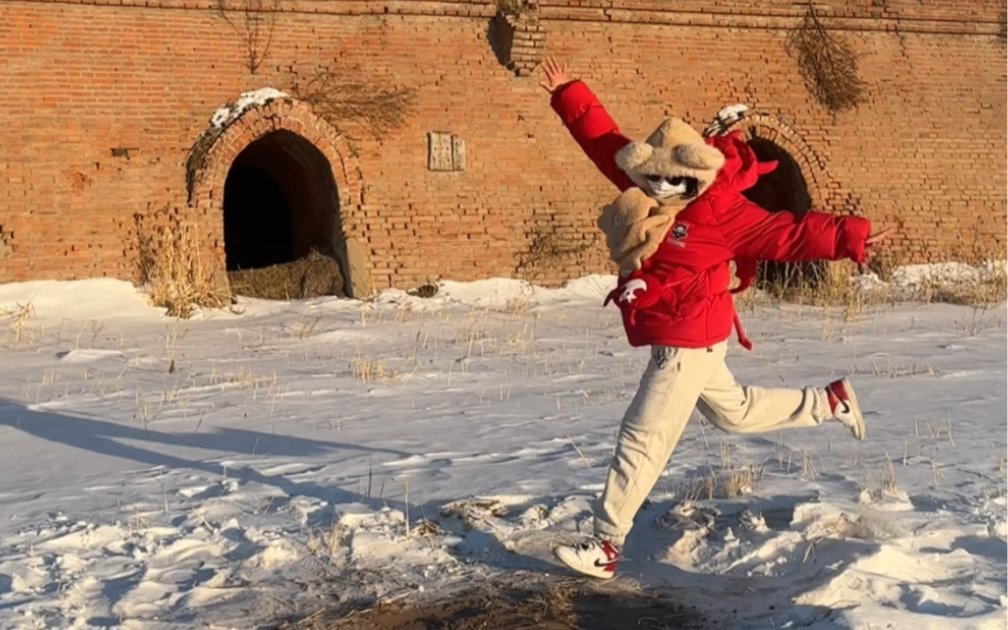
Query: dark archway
x,y
280,202
258,222
782,190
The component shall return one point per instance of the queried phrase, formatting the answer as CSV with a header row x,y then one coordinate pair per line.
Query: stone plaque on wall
x,y
445,152
458,153
439,151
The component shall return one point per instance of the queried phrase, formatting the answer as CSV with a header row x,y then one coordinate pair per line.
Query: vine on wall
x,y
253,21
828,64
339,96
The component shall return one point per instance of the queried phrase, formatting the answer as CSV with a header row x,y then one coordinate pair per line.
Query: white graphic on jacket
x,y
629,290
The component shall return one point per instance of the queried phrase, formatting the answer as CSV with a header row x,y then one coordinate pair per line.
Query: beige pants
x,y
678,380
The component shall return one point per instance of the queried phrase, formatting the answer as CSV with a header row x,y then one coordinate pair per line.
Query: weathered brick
x,y
926,153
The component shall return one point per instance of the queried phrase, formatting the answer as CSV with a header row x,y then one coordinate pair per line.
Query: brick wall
x,y
104,99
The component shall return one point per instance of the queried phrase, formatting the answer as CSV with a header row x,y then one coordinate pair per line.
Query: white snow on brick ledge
x,y
230,112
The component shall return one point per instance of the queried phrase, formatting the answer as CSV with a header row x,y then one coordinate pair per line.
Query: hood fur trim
x,y
674,150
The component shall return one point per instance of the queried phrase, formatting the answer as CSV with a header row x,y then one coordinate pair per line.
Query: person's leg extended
x,y
651,428
732,407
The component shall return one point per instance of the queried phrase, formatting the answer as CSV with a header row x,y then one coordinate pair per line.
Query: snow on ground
x,y
162,474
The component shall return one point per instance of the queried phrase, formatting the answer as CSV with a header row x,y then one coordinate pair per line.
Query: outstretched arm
x,y
753,232
587,121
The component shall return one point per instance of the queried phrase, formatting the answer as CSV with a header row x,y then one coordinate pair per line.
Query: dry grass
x,y
893,369
172,267
724,480
555,605
313,275
828,286
172,339
405,312
21,333
833,287
881,482
988,286
518,305
327,542
370,370
304,328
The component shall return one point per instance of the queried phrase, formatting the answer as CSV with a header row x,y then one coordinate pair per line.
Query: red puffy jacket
x,y
693,307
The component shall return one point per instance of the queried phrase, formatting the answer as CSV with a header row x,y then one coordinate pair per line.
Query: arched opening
x,y
281,206
782,190
258,221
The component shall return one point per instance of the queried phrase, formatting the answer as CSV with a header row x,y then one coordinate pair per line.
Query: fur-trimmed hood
x,y
674,150
677,150
635,223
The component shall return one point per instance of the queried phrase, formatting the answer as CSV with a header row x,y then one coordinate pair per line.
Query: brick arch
x,y
217,149
823,189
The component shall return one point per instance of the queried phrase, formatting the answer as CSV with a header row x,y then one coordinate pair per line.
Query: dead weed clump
x,y
21,332
987,286
833,286
823,285
721,483
314,275
724,479
173,269
372,370
507,607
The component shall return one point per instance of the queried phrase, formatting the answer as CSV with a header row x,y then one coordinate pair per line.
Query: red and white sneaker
x,y
844,406
595,557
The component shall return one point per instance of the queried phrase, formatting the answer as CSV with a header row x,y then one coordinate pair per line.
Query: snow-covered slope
x,y
228,469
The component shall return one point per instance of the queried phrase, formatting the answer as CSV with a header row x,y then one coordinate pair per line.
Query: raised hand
x,y
555,73
875,240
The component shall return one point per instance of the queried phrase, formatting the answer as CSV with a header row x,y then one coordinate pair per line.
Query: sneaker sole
x,y
856,408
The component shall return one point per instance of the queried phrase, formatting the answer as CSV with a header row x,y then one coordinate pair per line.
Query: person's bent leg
x,y
752,409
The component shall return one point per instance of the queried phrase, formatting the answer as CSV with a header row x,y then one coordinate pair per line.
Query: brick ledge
x,y
555,10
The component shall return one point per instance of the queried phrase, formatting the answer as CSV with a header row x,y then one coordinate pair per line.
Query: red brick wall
x,y
80,78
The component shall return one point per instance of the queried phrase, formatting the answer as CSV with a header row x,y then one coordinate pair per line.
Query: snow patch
x,y
86,355
507,293
230,112
80,300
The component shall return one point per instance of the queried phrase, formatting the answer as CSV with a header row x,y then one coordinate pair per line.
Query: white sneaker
x,y
595,557
844,405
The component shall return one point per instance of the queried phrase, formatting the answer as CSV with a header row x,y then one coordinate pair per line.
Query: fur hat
x,y
674,150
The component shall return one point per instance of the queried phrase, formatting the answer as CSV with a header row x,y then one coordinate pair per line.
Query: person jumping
x,y
676,230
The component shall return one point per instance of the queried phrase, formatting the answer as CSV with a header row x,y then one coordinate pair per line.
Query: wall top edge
x,y
941,16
